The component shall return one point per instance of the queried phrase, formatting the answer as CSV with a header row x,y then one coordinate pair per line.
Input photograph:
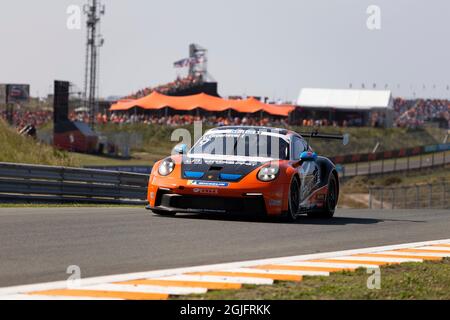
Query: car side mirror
x,y
308,156
180,149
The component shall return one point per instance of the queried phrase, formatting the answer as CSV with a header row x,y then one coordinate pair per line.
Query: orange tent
x,y
279,110
158,101
252,105
123,105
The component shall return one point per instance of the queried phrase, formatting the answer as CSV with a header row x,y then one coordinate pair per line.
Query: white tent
x,y
358,100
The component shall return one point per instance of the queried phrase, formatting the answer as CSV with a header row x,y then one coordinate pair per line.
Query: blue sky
x,y
256,47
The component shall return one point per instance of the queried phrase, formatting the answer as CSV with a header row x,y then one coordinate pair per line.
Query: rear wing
x,y
316,135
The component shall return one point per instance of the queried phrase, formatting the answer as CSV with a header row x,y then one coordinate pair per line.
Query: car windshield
x,y
244,144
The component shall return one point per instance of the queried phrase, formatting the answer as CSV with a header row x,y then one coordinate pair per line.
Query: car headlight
x,y
267,174
166,167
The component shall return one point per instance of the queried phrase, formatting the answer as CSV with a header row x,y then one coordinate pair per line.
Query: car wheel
x,y
294,200
330,202
164,213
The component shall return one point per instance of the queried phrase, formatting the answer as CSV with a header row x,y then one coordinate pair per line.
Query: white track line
x,y
217,267
419,254
378,259
283,272
146,289
219,279
325,265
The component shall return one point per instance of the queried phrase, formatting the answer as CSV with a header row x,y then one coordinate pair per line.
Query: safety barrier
x,y
134,169
395,165
393,154
352,165
20,182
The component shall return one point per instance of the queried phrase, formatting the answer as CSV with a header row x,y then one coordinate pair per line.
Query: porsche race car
x,y
246,170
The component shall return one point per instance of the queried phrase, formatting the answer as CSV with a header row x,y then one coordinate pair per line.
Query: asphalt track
x,y
38,244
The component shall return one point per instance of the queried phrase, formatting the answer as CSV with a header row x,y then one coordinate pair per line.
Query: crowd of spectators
x,y
414,113
22,118
170,88
408,113
180,120
316,123
80,116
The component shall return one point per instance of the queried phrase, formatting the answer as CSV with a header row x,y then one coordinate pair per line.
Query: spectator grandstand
x,y
172,88
414,113
408,113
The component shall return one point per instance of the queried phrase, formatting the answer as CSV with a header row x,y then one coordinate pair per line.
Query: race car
x,y
247,170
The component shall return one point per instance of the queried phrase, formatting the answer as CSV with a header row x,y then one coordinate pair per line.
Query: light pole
x,y
94,11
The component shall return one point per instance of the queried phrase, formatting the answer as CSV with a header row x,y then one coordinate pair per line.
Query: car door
x,y
308,171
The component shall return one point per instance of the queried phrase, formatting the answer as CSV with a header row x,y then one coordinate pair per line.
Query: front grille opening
x,y
242,205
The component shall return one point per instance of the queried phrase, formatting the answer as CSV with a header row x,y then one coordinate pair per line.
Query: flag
x,y
190,61
182,63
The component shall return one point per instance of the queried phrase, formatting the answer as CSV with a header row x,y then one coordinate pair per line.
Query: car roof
x,y
257,128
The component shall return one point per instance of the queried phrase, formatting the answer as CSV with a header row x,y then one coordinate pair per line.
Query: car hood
x,y
219,168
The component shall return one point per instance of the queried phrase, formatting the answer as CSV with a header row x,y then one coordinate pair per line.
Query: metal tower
x,y
93,11
198,61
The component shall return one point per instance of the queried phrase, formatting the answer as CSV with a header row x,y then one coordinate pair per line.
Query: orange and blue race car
x,y
246,170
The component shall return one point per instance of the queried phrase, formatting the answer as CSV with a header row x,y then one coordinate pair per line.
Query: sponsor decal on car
x,y
206,191
275,203
208,183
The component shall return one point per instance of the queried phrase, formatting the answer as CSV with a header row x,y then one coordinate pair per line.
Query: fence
x,y
430,196
390,165
46,183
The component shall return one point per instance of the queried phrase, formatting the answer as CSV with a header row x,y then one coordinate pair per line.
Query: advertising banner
x,y
16,93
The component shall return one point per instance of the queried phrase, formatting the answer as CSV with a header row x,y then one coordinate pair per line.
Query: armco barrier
x,y
20,182
396,165
401,153
134,169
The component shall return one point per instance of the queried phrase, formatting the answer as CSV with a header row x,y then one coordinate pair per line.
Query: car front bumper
x,y
177,195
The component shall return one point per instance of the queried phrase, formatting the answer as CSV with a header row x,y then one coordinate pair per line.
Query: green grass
x,y
408,281
361,184
362,140
19,149
155,142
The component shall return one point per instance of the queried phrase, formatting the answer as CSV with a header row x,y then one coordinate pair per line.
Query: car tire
x,y
164,213
294,200
330,202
